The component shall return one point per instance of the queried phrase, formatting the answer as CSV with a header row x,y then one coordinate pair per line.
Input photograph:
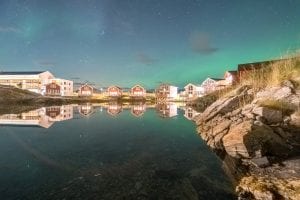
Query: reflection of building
x,y
114,91
192,90
59,113
85,90
138,109
167,110
42,117
137,91
114,109
32,81
190,113
166,92
86,109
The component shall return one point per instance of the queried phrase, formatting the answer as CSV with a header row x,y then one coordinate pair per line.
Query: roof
x,y
197,85
22,73
257,65
217,79
234,72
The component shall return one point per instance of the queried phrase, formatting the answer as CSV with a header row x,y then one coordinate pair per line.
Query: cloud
x,y
145,59
200,43
9,29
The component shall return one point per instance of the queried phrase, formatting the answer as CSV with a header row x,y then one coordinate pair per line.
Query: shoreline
x,y
257,142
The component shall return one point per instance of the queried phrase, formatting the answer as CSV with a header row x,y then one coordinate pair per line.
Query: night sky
x,y
125,42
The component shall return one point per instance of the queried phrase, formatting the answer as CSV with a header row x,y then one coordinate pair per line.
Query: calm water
x,y
100,152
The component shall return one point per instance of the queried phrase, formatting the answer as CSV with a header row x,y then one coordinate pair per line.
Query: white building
x,y
231,77
212,84
192,90
34,81
66,86
166,92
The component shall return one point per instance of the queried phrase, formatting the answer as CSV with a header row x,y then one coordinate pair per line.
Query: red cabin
x,y
137,91
53,89
86,90
114,91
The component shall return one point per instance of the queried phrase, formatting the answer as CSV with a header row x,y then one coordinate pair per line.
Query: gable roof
x,y
257,65
22,73
217,79
196,85
234,72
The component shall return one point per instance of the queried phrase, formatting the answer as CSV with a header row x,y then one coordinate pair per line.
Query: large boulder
x,y
277,93
271,115
247,138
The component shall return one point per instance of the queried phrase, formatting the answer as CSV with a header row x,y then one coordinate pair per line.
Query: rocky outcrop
x,y
260,137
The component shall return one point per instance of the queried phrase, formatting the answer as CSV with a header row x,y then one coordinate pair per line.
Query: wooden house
x,y
137,91
85,90
114,91
192,90
53,89
245,69
231,77
212,84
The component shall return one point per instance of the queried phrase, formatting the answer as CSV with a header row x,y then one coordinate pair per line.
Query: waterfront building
x,y
192,90
137,91
66,86
114,91
85,90
231,77
33,81
165,92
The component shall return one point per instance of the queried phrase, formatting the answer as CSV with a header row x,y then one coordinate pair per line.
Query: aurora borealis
x,y
125,42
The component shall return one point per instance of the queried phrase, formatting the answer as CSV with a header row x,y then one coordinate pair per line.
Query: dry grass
x,y
274,74
283,106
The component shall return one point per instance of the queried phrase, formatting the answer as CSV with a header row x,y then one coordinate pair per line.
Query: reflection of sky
x,y
71,153
127,42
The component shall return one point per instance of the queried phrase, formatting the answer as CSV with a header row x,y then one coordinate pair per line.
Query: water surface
x,y
107,152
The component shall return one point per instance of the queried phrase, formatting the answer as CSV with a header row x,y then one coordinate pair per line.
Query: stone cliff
x,y
257,134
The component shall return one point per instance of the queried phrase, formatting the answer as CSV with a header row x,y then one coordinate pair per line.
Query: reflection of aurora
x,y
105,157
36,154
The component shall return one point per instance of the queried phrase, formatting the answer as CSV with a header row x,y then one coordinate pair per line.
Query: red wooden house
x,y
114,91
53,89
137,91
86,90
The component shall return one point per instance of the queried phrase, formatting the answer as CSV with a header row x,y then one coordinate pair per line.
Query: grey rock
x,y
260,162
271,115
